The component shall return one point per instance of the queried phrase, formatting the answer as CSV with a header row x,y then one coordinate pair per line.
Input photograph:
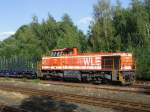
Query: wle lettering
x,y
92,61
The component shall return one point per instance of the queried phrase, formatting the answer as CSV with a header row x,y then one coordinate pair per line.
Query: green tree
x,y
69,35
102,30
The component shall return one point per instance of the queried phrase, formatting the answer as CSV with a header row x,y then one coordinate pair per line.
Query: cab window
x,y
55,54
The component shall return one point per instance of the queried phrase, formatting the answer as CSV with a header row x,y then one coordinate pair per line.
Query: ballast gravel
x,y
125,96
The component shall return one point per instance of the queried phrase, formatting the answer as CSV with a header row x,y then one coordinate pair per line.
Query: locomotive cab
x,y
121,66
64,52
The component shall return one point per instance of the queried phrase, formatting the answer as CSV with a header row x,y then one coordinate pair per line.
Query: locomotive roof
x,y
106,53
64,49
95,53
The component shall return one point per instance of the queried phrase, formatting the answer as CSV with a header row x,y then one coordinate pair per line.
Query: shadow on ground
x,y
47,104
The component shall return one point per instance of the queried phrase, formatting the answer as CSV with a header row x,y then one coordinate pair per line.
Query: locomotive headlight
x,y
43,61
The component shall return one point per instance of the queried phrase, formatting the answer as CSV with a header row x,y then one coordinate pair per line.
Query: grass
x,y
5,79
24,79
20,79
36,81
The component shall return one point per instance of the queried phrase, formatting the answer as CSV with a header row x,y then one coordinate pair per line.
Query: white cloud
x,y
85,20
4,35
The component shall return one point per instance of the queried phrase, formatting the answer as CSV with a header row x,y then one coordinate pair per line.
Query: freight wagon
x,y
68,64
18,66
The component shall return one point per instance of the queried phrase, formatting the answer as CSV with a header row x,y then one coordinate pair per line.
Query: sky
x,y
14,13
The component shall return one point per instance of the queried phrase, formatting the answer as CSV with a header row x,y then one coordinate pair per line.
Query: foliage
x,y
70,36
101,35
37,39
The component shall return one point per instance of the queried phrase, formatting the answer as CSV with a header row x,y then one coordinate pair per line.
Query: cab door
x,y
110,63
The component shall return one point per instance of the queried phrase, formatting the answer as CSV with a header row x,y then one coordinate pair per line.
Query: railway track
x,y
134,88
138,87
142,84
103,102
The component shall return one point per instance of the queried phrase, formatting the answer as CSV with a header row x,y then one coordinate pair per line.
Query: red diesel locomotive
x,y
68,64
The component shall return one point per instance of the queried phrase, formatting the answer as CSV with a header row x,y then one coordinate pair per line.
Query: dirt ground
x,y
44,104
